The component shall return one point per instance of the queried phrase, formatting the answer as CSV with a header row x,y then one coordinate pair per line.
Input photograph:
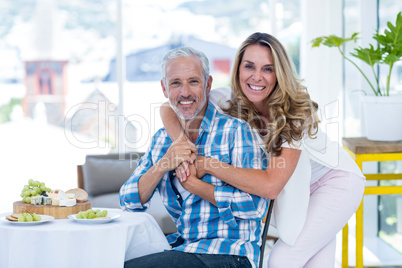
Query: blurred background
x,y
77,77
82,77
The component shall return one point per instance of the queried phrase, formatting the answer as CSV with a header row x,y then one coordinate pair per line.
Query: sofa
x,y
101,176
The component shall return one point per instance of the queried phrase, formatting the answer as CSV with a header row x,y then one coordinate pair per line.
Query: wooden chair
x,y
80,177
264,236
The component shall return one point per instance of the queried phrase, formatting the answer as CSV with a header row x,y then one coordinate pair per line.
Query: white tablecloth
x,y
66,243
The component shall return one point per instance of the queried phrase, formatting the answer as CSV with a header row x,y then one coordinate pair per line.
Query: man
x,y
217,224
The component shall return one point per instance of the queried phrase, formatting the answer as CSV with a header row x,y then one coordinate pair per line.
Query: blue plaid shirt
x,y
233,226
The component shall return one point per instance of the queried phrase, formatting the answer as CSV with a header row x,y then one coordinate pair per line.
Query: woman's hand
x,y
183,170
200,166
189,183
199,187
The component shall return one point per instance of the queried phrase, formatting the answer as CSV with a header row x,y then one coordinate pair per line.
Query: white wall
x,y
321,68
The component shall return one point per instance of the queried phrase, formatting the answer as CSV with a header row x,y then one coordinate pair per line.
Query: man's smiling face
x,y
186,87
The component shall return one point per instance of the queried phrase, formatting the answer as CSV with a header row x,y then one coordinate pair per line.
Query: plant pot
x,y
382,118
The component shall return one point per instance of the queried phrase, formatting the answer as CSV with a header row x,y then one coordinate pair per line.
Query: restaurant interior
x,y
80,98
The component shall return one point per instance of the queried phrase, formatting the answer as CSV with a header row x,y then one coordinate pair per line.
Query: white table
x,y
66,243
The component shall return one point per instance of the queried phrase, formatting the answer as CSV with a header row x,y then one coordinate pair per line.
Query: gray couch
x,y
101,176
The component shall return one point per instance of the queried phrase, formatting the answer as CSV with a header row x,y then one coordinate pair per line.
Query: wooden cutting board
x,y
55,211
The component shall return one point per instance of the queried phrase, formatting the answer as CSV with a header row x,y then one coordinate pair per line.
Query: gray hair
x,y
185,52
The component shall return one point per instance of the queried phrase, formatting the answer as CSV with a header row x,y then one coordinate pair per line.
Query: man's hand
x,y
183,170
190,181
199,187
179,152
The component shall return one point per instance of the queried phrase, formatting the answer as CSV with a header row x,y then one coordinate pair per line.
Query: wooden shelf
x,y
365,146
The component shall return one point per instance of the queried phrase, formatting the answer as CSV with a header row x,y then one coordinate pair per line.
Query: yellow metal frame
x,y
369,190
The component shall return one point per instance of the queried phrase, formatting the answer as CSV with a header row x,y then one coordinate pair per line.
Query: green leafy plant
x,y
7,109
388,52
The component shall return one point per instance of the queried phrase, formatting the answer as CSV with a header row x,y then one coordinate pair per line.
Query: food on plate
x,y
36,193
92,214
46,200
52,194
24,217
13,217
63,200
32,189
80,194
69,202
55,202
36,200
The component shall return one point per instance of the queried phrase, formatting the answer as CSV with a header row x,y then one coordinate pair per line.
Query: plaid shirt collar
x,y
207,120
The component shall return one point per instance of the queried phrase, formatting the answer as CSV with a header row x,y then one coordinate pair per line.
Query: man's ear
x,y
209,84
164,89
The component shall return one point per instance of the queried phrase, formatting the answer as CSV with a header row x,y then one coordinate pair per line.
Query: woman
x,y
316,184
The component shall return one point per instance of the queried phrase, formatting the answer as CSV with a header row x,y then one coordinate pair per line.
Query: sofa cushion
x,y
103,176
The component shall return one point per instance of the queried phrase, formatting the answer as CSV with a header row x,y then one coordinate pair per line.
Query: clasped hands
x,y
182,157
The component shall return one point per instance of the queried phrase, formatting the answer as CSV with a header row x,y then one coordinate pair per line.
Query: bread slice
x,y
11,218
80,194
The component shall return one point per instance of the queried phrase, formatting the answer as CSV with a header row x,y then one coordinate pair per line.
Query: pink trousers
x,y
333,200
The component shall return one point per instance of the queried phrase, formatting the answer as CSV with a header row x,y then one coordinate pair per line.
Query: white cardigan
x,y
290,207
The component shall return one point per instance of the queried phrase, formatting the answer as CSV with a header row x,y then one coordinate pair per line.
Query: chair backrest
x,y
265,231
103,174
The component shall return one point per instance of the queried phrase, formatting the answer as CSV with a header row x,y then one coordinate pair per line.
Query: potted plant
x,y
380,108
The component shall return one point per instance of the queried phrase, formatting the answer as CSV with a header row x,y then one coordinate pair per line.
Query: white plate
x,y
94,221
45,218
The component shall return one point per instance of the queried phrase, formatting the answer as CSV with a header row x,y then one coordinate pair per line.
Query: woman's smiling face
x,y
257,75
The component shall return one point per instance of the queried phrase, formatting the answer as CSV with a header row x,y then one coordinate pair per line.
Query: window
x,y
58,86
382,221
390,206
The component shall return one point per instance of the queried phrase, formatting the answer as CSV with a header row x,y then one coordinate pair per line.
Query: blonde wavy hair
x,y
291,112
